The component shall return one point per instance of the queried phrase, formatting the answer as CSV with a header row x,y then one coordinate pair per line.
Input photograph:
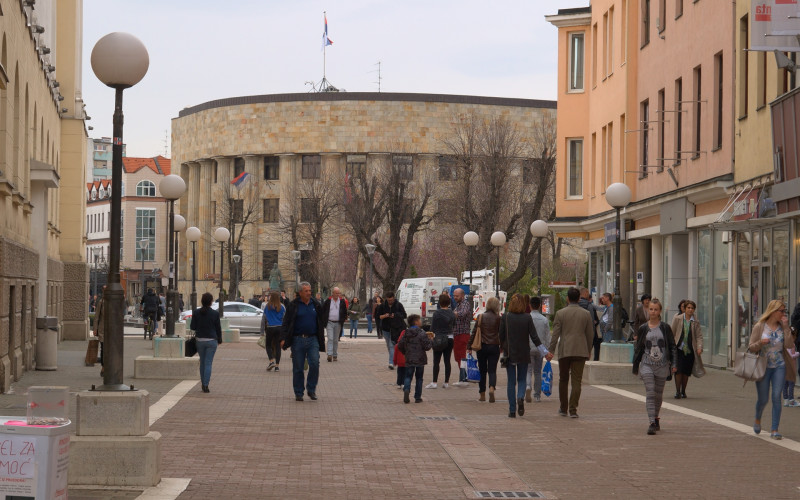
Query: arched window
x,y
145,188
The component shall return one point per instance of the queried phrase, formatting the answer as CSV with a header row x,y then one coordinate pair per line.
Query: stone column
x,y
205,219
289,168
251,257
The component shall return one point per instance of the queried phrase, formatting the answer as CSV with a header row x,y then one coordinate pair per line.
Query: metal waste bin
x,y
34,460
46,344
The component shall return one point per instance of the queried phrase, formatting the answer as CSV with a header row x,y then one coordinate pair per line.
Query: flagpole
x,y
324,46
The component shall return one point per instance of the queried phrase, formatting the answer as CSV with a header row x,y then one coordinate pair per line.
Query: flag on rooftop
x,y
240,179
325,40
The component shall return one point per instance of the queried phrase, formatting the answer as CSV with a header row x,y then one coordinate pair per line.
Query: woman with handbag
x,y
516,327
485,339
770,338
654,361
271,323
443,323
689,345
208,334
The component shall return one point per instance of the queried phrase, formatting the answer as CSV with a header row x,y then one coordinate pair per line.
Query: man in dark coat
x,y
392,315
303,331
334,314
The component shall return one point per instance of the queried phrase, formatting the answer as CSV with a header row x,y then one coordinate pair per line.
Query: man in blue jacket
x,y
303,331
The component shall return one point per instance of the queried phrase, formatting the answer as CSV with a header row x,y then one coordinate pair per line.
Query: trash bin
x,y
46,344
34,460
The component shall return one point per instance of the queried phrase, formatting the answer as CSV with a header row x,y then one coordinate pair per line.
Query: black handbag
x,y
440,342
191,347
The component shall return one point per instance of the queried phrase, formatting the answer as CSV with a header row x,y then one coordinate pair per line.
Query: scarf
x,y
686,328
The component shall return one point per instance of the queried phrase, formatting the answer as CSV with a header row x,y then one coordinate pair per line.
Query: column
x,y
205,221
251,254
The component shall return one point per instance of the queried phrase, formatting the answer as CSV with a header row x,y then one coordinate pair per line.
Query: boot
x,y
491,394
483,397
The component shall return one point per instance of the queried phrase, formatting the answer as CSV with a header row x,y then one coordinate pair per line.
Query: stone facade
x,y
208,139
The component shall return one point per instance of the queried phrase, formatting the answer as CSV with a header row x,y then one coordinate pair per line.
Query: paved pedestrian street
x,y
249,439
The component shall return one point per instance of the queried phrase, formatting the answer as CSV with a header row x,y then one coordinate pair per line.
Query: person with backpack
x,y
413,343
443,323
151,308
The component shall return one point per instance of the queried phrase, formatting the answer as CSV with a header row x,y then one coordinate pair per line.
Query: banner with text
x,y
775,25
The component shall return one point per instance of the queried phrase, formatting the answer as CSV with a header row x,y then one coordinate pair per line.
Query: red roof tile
x,y
159,164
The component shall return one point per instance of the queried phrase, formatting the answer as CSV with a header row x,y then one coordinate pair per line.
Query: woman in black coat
x,y
208,334
516,327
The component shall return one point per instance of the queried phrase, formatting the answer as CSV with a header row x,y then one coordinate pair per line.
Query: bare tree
x,y
505,180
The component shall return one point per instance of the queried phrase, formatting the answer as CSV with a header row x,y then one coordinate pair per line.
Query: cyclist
x,y
150,306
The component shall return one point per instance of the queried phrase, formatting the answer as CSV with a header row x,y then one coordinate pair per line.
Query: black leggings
x,y
274,343
437,356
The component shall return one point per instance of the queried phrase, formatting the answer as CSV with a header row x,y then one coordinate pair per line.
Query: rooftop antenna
x,y
379,76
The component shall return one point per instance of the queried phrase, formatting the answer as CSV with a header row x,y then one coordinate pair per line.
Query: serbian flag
x,y
240,179
325,40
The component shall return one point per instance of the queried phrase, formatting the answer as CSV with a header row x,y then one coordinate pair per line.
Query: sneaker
x,y
775,435
406,399
537,398
511,414
562,413
794,403
573,415
652,429
418,400
432,385
277,369
658,424
786,402
330,358
336,358
521,407
390,366
271,366
677,395
757,427
445,385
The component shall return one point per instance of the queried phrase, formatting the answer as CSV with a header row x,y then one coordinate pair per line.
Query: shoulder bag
x,y
476,343
190,346
750,366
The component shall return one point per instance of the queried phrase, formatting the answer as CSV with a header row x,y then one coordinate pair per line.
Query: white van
x,y
420,295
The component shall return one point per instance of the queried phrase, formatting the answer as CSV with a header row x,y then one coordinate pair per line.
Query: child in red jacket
x,y
400,363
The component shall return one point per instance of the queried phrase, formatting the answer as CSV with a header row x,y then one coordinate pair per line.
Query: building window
x,y
608,40
718,104
356,166
312,165
146,188
238,166
403,166
309,209
678,8
575,168
604,166
214,217
576,44
146,230
271,212
237,211
661,122
645,22
698,96
271,168
644,124
761,80
610,154
594,55
623,32
448,171
662,15
215,171
678,120
268,259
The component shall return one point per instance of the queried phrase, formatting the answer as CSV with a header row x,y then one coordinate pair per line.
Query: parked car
x,y
242,316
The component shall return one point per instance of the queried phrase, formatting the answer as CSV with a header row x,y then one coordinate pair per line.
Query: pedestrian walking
x,y
271,322
607,317
770,337
376,303
304,333
654,361
151,309
463,312
489,353
414,343
400,362
689,342
393,322
516,331
100,329
334,314
208,332
353,314
788,385
369,310
642,313
571,340
586,303
443,322
534,375
284,299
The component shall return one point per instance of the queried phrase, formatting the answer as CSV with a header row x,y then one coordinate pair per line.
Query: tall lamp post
x,y
120,61
498,240
296,258
193,234
370,250
471,240
221,234
618,195
96,251
143,244
172,187
179,225
236,259
539,230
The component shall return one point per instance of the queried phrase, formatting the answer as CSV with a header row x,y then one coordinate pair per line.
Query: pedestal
x,y
231,335
150,367
168,347
612,352
180,329
225,323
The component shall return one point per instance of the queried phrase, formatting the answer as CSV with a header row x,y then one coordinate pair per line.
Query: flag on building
x,y
325,40
240,179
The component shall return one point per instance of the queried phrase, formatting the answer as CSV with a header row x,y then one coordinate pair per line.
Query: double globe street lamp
x,y
618,195
172,187
120,61
498,239
221,234
539,230
193,235
471,239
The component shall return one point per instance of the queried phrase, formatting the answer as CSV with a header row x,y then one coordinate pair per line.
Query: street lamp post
x,y
171,187
143,244
96,253
221,234
618,195
539,230
370,250
236,259
296,258
179,226
120,61
193,234
471,240
498,240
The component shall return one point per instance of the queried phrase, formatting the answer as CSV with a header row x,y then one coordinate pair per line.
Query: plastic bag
x,y
262,342
547,379
473,374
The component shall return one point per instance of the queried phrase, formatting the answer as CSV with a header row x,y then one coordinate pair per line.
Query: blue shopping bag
x,y
547,379
473,374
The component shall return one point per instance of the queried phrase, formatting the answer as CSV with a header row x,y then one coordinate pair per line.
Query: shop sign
x,y
746,208
611,231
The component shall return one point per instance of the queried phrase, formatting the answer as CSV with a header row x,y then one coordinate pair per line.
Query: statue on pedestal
x,y
275,278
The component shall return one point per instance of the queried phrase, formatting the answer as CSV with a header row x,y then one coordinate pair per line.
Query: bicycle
x,y
149,326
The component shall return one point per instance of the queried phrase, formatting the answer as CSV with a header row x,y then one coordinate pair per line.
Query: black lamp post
x,y
539,230
618,195
221,234
370,250
193,234
498,240
179,227
144,243
236,259
172,187
119,60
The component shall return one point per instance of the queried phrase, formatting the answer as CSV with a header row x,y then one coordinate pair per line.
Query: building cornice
x,y
568,20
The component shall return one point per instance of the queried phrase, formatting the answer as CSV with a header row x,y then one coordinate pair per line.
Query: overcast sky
x,y
201,50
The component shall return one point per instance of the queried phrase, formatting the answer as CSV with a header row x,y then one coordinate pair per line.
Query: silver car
x,y
244,317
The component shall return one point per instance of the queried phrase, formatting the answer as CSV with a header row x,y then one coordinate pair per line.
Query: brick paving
x,y
249,439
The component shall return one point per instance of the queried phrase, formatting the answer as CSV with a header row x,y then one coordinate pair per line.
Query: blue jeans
x,y
414,371
387,336
516,384
353,327
206,350
776,376
369,323
305,348
608,336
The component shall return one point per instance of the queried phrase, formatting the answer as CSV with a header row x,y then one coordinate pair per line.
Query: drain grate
x,y
508,494
436,418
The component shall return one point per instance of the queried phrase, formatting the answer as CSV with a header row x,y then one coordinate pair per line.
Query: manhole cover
x,y
508,494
